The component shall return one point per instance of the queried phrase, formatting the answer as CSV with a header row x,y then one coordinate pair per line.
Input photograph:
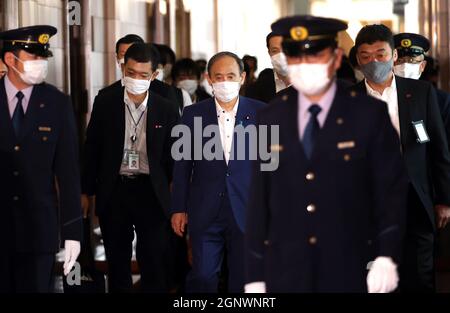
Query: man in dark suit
x,y
337,198
213,191
39,173
414,112
162,89
128,167
411,63
271,81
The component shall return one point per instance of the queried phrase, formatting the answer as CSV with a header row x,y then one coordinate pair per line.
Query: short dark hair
x,y
370,34
187,66
270,36
142,53
202,64
128,39
223,54
247,58
167,54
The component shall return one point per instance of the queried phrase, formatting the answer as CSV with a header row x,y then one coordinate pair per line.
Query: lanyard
x,y
136,125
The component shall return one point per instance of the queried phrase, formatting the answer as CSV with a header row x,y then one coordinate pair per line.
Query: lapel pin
x,y
284,98
158,126
340,121
42,105
353,94
346,145
408,96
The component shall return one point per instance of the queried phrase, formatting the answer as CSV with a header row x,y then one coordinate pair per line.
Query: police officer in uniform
x,y
411,63
329,219
38,156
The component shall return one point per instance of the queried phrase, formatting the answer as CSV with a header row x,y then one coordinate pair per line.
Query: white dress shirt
x,y
390,97
11,92
279,83
140,146
226,121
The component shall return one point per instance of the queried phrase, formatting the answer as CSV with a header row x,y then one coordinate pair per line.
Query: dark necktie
x,y
19,114
311,131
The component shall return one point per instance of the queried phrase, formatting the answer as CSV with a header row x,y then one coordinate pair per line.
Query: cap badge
x,y
406,43
299,33
44,38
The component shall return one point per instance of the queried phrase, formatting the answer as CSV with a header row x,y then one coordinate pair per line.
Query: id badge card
x,y
421,132
133,161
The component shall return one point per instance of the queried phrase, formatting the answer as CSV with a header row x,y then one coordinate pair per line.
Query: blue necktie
x,y
19,114
311,131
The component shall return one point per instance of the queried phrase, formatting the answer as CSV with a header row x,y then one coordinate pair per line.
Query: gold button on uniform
x,y
311,208
310,176
347,157
312,240
44,139
16,148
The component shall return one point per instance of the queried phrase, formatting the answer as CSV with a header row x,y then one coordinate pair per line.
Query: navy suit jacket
x,y
200,185
313,225
34,215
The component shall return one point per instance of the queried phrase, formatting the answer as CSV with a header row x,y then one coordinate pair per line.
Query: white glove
x,y
72,251
382,277
258,287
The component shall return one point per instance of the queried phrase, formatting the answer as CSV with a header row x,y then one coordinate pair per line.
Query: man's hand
x,y
442,215
179,221
85,205
257,287
382,277
72,251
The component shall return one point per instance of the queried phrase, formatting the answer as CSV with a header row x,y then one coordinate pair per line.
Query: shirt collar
x,y
142,107
389,90
220,110
11,90
325,102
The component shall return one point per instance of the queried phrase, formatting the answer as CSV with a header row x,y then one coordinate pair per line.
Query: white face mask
x,y
310,78
226,91
359,75
34,71
190,85
208,88
279,64
160,76
136,86
119,64
408,70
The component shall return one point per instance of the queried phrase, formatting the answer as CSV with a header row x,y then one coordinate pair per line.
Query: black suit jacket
x,y
264,88
34,215
428,164
313,225
105,143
